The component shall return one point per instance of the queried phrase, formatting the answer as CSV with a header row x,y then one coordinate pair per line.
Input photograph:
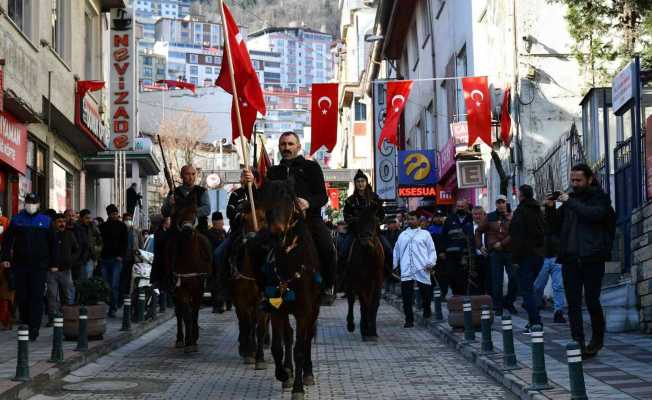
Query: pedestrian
x,y
497,245
216,233
392,231
551,269
585,223
115,240
133,198
527,239
89,239
27,249
65,257
134,243
457,237
216,236
479,275
415,256
436,230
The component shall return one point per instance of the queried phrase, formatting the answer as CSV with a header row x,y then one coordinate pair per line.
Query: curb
x,y
490,364
56,371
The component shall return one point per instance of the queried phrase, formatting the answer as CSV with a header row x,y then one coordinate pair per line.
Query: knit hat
x,y
31,198
111,208
217,216
360,175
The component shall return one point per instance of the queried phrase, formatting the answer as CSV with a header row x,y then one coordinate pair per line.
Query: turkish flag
x,y
505,118
84,87
248,115
478,108
334,197
246,80
177,84
324,116
398,93
264,164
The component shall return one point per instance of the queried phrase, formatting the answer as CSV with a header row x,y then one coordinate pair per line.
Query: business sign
x,y
417,191
460,134
87,118
622,87
470,174
385,158
122,89
444,197
446,158
13,142
417,168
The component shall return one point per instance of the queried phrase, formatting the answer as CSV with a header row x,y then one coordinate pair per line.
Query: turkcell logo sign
x,y
417,168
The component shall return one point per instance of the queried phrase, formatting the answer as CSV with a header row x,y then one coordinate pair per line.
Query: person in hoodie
x,y
526,233
457,236
66,256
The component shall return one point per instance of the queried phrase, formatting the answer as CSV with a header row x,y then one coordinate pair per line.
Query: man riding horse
x,y
189,191
311,194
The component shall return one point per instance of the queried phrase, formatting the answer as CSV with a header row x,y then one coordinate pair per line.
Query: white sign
x,y
122,120
385,159
622,87
90,117
470,174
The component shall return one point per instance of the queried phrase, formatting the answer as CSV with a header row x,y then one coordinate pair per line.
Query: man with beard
x,y
585,223
457,236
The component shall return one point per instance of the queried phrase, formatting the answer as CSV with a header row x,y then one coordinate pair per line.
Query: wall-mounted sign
x,y
385,158
444,197
123,120
622,87
417,191
87,118
470,174
13,143
417,168
460,134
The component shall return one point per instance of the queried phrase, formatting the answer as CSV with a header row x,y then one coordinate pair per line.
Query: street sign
x,y
622,87
385,158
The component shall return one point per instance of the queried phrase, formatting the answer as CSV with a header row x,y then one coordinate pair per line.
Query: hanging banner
x,y
122,86
385,156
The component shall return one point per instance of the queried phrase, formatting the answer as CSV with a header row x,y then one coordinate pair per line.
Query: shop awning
x,y
102,164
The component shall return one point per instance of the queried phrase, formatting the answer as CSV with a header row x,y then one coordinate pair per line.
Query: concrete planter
x,y
96,321
619,305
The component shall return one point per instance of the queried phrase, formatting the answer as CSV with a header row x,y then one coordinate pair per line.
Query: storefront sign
x,y
446,158
385,158
417,191
417,168
123,119
460,133
470,174
622,87
444,197
13,142
88,119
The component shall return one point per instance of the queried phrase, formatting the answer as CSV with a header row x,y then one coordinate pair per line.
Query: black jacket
x,y
527,230
66,250
83,241
29,241
355,204
215,237
457,234
114,237
234,209
585,226
133,200
308,182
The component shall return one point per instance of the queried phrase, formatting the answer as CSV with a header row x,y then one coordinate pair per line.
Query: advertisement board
x,y
13,142
417,168
385,158
622,87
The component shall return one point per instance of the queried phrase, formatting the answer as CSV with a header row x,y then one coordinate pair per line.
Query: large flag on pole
x,y
505,118
478,108
264,163
250,94
398,93
324,116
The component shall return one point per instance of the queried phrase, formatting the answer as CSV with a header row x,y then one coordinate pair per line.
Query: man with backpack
x,y
585,222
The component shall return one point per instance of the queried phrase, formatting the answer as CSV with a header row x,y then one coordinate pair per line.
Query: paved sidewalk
x,y
41,370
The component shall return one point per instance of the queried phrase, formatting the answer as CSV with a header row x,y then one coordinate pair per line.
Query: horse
x,y
188,262
365,274
292,284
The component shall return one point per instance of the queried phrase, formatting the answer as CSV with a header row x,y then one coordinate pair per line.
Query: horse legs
x,y
178,312
261,331
373,316
303,333
350,320
308,377
288,339
188,315
278,327
364,317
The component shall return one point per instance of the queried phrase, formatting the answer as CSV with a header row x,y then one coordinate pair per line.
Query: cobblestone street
x,y
403,364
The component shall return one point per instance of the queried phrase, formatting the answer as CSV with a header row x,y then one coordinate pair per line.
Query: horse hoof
x,y
350,327
249,360
308,380
179,344
190,349
297,396
260,365
287,384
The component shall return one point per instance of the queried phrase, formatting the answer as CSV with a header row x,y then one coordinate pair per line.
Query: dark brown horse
x,y
292,284
188,263
365,274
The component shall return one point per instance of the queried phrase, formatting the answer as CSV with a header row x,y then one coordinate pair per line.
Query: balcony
x,y
107,5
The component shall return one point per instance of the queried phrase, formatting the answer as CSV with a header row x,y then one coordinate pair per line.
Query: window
x,y
60,27
147,72
147,61
209,59
20,11
426,25
209,70
194,59
35,176
90,65
194,70
360,110
461,70
194,80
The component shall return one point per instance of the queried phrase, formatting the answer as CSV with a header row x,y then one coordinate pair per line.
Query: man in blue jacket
x,y
27,250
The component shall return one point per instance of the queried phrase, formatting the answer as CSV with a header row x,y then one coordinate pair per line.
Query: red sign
x,y
88,119
417,191
444,197
334,196
13,142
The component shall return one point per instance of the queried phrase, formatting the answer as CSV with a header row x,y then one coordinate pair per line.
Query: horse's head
x,y
278,199
184,213
367,226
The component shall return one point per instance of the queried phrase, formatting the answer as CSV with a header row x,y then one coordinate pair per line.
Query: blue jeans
x,y
111,268
87,270
552,269
528,270
500,262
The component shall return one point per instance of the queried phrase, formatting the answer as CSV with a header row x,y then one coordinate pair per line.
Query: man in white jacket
x,y
415,254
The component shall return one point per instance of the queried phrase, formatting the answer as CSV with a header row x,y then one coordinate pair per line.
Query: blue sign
x,y
417,168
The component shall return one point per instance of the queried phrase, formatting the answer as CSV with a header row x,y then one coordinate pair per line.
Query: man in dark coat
x,y
133,198
216,236
66,256
585,223
457,236
216,233
27,249
115,239
526,233
184,193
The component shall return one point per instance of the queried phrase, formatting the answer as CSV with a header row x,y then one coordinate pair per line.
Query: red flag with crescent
x,y
324,116
505,118
478,108
398,93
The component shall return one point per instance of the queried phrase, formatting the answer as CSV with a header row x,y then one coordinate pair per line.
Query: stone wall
x,y
641,272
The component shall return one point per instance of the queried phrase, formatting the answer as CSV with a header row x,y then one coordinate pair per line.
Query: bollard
x,y
487,344
469,331
126,314
141,306
22,365
57,340
539,375
438,314
82,339
509,357
576,372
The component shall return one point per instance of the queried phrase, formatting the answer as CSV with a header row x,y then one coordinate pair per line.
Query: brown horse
x,y
365,274
188,263
292,284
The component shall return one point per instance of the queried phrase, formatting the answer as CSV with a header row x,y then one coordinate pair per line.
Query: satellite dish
x,y
213,181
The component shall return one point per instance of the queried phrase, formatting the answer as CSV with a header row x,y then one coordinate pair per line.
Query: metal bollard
x,y
438,314
487,344
82,339
539,375
576,371
469,331
509,357
22,365
126,314
141,306
57,340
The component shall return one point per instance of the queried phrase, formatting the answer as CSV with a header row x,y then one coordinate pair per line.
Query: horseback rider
x,y
184,193
311,195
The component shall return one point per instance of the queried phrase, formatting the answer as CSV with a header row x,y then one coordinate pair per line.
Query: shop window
x,y
62,191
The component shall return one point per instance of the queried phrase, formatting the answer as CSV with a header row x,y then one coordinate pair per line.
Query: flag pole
x,y
245,153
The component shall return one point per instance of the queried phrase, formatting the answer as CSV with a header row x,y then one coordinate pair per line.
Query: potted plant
x,y
94,294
